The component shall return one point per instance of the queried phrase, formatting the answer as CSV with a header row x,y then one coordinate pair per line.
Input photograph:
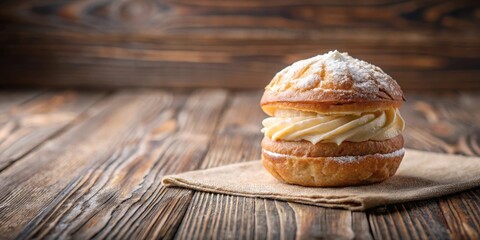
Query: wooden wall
x,y
232,43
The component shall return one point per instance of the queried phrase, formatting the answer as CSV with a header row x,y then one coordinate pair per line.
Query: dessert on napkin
x,y
333,138
334,121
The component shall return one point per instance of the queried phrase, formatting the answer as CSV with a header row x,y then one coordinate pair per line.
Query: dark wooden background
x,y
232,43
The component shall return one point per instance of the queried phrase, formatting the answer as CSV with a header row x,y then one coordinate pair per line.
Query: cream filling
x,y
293,125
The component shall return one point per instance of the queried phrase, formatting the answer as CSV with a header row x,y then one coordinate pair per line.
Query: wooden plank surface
x,y
99,177
11,98
452,126
416,220
215,216
110,130
25,126
119,193
423,44
440,122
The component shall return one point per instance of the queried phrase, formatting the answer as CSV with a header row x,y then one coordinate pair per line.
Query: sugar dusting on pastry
x,y
343,75
349,159
334,121
333,71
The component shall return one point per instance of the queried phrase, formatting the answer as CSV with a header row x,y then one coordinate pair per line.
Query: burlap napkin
x,y
421,175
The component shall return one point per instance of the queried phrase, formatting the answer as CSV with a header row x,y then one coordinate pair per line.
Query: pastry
x,y
333,121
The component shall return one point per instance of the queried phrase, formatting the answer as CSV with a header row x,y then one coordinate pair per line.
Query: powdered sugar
x,y
334,71
348,159
308,82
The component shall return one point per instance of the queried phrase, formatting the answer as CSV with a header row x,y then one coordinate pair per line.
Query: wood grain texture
x,y
100,176
119,195
237,139
274,220
360,226
462,214
11,98
322,223
449,125
441,122
216,216
25,126
452,126
415,220
423,44
37,179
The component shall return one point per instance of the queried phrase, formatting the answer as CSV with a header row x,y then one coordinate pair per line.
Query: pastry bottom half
x,y
331,165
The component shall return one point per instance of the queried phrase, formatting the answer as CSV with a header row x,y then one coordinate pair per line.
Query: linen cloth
x,y
421,175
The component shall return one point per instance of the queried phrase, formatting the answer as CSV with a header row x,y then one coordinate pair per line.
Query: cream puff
x,y
333,121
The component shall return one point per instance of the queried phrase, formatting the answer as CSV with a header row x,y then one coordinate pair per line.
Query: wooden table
x,y
88,164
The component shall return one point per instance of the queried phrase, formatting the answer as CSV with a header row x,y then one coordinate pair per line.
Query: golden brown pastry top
x,y
332,82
